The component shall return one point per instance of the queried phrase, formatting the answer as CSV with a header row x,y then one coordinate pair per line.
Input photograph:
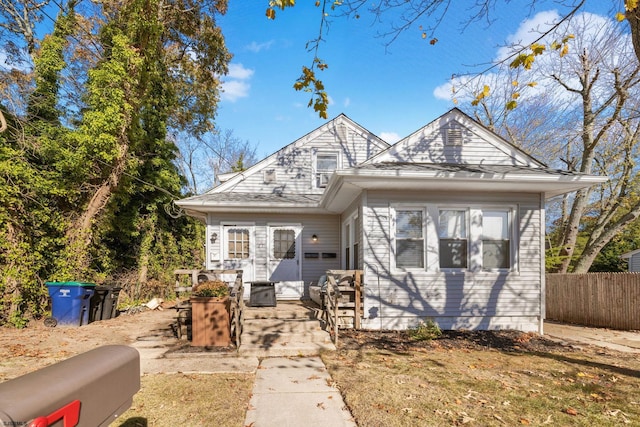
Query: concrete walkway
x,y
624,341
294,392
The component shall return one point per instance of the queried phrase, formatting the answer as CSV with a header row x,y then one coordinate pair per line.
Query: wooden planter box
x,y
210,322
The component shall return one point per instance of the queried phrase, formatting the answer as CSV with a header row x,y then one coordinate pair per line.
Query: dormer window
x,y
326,164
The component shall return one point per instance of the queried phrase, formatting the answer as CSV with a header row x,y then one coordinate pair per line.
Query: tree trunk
x,y
80,232
633,16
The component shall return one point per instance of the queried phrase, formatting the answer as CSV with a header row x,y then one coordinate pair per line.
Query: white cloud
x,y
390,137
235,84
528,31
590,30
237,71
256,47
346,102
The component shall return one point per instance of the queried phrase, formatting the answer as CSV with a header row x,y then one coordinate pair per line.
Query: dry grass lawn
x,y
469,386
189,400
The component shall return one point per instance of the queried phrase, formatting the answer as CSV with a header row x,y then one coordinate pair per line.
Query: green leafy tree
x,y
90,179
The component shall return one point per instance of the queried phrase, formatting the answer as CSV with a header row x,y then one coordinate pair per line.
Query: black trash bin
x,y
262,294
104,302
110,305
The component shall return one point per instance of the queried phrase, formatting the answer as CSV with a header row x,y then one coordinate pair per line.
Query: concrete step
x,y
289,329
281,326
265,338
282,311
285,349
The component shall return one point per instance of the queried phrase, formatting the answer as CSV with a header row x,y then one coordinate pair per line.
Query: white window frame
x,y
474,236
323,175
393,253
511,237
467,225
351,239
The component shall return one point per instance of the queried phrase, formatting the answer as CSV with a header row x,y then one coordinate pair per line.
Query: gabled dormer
x,y
306,165
455,139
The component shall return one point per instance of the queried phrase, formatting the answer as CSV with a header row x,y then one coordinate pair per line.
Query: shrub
x,y
212,288
425,331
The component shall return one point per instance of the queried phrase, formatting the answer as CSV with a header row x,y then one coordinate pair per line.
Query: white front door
x,y
239,250
284,265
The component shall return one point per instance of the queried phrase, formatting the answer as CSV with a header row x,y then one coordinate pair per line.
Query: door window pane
x,y
284,244
238,243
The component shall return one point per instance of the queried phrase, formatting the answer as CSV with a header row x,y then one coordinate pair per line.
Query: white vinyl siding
x,y
456,298
634,263
293,166
454,139
326,227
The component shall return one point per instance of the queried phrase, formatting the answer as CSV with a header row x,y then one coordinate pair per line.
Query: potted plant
x,y
210,318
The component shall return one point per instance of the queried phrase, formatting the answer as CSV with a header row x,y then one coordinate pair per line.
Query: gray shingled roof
x,y
255,198
452,168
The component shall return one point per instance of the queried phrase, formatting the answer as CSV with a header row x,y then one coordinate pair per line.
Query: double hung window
x,y
409,238
496,248
453,238
326,164
465,238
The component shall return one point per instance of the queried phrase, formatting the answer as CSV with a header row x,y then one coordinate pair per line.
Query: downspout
x,y
543,285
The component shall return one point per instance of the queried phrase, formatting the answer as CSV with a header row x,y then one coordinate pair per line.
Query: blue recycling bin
x,y
70,302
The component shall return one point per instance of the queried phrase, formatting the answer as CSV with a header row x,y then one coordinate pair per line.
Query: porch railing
x,y
237,309
343,300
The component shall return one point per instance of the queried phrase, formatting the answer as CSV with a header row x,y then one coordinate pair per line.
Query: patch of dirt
x,y
508,341
36,346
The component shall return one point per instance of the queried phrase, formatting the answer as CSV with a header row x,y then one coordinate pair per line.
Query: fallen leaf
x,y
571,411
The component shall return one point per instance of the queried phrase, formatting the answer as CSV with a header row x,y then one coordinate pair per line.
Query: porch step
x,y
280,326
289,329
284,310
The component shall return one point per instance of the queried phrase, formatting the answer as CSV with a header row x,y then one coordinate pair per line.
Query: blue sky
x,y
390,90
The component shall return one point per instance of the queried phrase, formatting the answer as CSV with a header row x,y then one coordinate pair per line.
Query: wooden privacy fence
x,y
608,300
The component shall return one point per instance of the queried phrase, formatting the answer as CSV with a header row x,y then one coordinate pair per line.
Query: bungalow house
x,y
447,224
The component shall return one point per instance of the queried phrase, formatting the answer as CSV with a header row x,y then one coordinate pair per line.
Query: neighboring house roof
x,y
630,254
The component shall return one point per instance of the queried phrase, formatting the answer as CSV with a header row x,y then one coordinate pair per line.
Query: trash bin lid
x,y
83,284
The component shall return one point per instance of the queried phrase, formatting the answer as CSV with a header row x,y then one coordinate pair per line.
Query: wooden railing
x,y
343,300
237,309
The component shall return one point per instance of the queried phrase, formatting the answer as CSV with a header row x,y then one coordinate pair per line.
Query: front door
x,y
284,261
239,252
